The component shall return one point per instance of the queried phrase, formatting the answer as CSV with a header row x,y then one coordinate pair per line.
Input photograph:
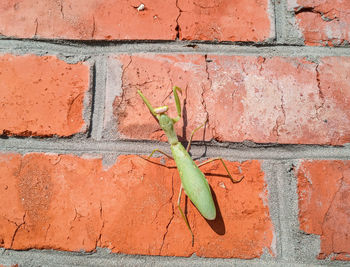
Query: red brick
x,y
71,203
92,19
323,22
41,96
108,20
225,20
324,205
265,100
155,76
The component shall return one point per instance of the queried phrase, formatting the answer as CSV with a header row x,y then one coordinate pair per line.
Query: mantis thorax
x,y
167,125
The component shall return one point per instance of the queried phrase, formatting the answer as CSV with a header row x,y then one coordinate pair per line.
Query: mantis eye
x,y
161,110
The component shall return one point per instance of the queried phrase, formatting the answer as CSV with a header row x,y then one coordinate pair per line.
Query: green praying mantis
x,y
193,181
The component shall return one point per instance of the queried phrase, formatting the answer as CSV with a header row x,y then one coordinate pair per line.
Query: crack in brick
x,y
123,73
71,104
98,240
121,101
281,119
36,27
303,9
61,8
17,229
206,7
172,216
320,93
329,208
157,212
76,216
177,28
93,27
278,123
47,230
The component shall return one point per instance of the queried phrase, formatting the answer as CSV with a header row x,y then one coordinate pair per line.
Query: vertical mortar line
x,y
288,207
98,98
269,167
280,20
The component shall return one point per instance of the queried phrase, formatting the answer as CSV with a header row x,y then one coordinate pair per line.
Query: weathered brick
x,y
323,22
264,100
225,20
155,76
324,205
92,19
158,20
75,203
41,96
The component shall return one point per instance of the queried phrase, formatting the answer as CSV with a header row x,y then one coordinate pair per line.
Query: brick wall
x,y
273,79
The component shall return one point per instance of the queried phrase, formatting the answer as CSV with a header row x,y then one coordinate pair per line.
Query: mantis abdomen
x,y
193,180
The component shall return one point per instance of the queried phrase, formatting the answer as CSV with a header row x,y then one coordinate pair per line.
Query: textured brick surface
x,y
158,20
41,96
92,19
323,22
71,203
265,100
225,20
324,205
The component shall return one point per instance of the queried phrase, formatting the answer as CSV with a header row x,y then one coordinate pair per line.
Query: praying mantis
x,y
193,181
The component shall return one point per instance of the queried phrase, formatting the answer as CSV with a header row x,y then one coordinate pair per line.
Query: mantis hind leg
x,y
223,163
183,215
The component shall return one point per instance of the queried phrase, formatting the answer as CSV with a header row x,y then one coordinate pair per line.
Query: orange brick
x,y
41,96
324,204
225,20
71,203
264,100
122,20
92,19
323,22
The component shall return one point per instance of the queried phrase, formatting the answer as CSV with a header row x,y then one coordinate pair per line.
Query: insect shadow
x,y
218,224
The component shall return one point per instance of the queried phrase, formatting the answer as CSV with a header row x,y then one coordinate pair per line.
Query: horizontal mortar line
x,y
236,151
26,46
104,258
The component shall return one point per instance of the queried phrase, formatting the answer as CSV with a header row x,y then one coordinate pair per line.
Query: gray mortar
x,y
279,20
290,33
271,10
113,88
269,169
74,53
293,247
229,151
103,258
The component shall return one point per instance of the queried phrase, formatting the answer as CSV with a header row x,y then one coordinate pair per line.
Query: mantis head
x,y
164,120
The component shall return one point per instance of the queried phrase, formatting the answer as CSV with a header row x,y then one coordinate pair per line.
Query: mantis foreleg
x,y
223,163
177,103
